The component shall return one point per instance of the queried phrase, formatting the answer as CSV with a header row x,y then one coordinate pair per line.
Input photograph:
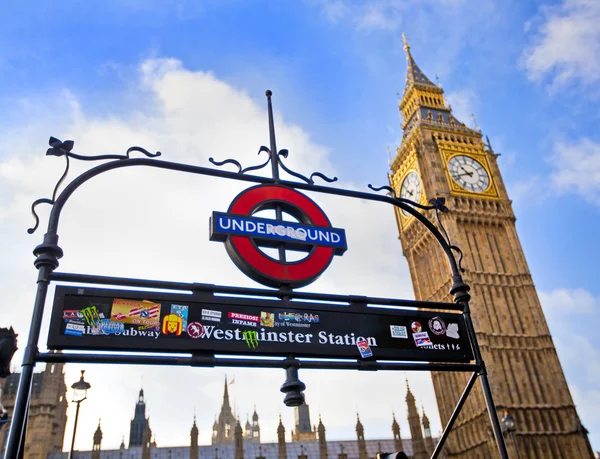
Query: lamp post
x,y
508,426
80,389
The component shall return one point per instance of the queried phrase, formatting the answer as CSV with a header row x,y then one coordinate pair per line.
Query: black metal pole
x,y
489,401
514,442
452,420
460,290
74,430
212,361
17,426
22,442
485,384
273,145
274,166
47,255
247,291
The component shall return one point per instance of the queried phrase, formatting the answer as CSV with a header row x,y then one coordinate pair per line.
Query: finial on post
x,y
273,149
292,386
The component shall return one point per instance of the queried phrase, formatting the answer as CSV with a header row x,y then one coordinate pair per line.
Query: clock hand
x,y
470,174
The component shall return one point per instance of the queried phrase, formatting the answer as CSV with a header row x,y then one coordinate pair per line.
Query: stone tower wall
x,y
524,370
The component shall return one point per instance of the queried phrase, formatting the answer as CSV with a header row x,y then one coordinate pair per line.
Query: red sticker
x,y
195,330
416,327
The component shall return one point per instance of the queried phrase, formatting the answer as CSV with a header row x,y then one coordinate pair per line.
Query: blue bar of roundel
x,y
240,226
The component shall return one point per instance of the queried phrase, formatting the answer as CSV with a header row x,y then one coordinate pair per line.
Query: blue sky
x,y
528,70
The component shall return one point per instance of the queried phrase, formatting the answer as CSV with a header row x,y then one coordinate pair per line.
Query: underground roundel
x,y
289,243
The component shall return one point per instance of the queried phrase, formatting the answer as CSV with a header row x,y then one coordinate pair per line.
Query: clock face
x,y
411,189
469,173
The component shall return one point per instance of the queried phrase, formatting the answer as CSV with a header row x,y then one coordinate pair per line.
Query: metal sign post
x,y
252,322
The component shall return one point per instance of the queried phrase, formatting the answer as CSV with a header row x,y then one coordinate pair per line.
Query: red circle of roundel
x,y
262,268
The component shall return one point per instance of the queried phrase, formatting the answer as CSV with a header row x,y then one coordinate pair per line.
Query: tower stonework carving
x,y
224,427
360,439
398,446
322,440
304,431
194,440
427,430
47,411
147,442
139,422
238,437
414,422
441,157
97,445
281,446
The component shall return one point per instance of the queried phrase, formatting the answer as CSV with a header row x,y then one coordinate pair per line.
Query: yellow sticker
x,y
133,312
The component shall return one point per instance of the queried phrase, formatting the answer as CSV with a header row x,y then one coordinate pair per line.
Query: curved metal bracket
x,y
284,153
437,205
239,166
392,194
60,148
406,205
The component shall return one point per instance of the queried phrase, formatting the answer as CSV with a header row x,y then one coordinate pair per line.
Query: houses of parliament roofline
x,y
230,441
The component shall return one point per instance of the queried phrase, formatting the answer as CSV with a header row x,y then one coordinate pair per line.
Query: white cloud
x,y
577,168
570,301
532,190
334,10
566,46
375,15
379,17
148,223
574,169
387,15
464,104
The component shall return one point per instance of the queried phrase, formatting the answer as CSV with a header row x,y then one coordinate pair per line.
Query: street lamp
x,y
80,389
508,426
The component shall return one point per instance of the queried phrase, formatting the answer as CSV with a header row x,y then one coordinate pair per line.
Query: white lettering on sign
x,y
233,224
212,332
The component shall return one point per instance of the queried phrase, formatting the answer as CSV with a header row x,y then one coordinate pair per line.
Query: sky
x,y
188,78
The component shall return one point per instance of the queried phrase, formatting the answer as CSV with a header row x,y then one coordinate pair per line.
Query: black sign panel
x,y
123,320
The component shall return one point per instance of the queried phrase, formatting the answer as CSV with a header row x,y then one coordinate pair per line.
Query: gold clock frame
x,y
409,165
450,151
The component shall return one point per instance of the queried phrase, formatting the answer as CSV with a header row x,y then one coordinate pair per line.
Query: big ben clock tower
x,y
440,156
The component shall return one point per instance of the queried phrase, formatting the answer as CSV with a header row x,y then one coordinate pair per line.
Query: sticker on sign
x,y
364,348
398,331
422,339
74,329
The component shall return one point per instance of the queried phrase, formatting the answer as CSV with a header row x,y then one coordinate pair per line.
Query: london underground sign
x,y
244,235
368,333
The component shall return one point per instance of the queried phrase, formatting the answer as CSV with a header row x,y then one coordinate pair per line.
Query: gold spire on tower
x,y
406,44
